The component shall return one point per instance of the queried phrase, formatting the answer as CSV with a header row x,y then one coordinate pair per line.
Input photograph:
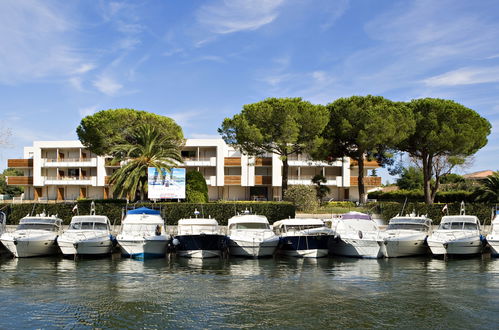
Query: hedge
x,y
171,212
388,210
418,196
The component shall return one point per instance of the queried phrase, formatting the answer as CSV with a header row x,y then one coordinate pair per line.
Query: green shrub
x,y
418,196
171,212
303,198
341,204
196,190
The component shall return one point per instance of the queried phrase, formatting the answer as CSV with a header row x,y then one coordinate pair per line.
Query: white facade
x,y
66,170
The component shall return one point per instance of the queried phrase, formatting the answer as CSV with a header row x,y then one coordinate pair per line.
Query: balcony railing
x,y
232,180
19,180
68,178
67,160
374,181
20,163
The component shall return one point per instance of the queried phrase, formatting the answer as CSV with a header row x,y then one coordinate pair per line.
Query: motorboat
x,y
143,234
406,236
199,238
457,235
303,237
87,235
493,237
356,235
250,235
34,236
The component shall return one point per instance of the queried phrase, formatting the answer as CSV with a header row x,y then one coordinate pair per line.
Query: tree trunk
x,y
362,190
427,178
285,170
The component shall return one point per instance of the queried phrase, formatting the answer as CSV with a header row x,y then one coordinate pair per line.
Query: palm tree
x,y
489,189
147,148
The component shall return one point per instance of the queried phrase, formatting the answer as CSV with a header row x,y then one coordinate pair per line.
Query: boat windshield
x,y
407,226
136,229
460,225
37,226
296,228
250,225
88,226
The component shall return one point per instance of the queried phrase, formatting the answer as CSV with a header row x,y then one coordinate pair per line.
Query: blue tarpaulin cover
x,y
143,210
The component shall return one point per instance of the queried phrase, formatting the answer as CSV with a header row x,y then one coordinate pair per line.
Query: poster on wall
x,y
166,184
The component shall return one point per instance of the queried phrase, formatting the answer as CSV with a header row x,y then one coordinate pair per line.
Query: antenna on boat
x,y
462,211
403,206
196,213
92,208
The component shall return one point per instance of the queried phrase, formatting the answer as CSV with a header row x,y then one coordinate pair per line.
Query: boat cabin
x,y
244,222
198,226
291,226
92,222
410,223
459,222
143,221
40,223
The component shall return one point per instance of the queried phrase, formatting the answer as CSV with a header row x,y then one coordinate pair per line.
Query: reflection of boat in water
x,y
406,236
199,238
357,235
87,235
250,236
493,236
303,237
143,234
457,235
35,236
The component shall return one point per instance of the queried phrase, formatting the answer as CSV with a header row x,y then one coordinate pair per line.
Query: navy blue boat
x,y
199,238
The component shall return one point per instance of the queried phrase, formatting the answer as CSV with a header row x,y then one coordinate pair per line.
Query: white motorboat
x,y
457,235
34,236
87,235
493,236
143,234
307,238
250,236
406,236
199,238
356,235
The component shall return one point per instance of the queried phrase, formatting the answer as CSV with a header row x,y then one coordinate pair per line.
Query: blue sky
x,y
200,61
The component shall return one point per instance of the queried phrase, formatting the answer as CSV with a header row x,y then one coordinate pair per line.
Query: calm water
x,y
240,293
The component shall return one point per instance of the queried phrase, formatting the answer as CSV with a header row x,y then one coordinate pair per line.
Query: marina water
x,y
240,293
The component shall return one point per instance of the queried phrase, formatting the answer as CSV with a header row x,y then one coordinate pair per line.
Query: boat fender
x,y
360,234
482,238
15,242
75,246
175,242
446,245
158,230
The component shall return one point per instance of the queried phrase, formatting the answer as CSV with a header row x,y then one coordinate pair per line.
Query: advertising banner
x,y
166,184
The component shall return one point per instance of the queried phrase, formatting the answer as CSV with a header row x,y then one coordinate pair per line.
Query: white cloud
x,y
186,118
34,42
107,85
87,111
465,76
231,16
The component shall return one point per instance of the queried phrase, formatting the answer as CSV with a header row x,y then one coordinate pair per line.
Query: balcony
x,y
19,180
371,181
70,180
307,180
300,160
367,163
232,180
263,179
200,161
69,162
232,161
20,163
263,161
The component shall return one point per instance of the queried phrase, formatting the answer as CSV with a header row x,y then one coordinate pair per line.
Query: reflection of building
x,y
65,170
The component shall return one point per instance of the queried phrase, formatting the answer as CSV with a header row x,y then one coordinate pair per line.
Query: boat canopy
x,y
41,220
356,215
298,222
143,210
245,218
90,218
198,222
411,220
460,218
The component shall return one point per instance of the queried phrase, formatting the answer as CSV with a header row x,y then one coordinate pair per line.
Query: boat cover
x,y
356,215
143,210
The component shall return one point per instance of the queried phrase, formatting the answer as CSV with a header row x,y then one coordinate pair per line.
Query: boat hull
x,y
143,248
95,246
304,246
255,248
461,247
395,248
200,246
358,248
494,247
24,248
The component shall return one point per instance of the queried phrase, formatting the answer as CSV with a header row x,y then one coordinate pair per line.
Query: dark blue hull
x,y
201,243
304,246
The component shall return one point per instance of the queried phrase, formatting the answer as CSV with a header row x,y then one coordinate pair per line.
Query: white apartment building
x,y
66,170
